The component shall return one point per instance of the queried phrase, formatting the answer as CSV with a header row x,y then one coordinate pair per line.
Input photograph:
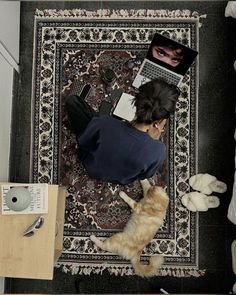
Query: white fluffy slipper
x,y
233,251
196,201
206,184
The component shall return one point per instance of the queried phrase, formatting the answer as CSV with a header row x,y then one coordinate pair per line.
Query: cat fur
x,y
147,217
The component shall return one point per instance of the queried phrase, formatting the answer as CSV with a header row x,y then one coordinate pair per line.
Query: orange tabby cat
x,y
147,218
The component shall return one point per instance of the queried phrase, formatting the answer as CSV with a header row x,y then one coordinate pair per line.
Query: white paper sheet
x,y
124,108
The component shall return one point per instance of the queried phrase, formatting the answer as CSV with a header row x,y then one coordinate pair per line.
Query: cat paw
x,y
144,181
123,196
92,237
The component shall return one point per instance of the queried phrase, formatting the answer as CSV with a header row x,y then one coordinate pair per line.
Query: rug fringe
x,y
81,269
120,13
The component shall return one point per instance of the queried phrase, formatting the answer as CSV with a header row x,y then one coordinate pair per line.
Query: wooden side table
x,y
33,257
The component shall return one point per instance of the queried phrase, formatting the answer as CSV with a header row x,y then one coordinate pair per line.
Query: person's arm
x,y
149,172
88,140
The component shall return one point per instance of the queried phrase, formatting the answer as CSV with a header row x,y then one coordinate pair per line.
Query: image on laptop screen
x,y
171,54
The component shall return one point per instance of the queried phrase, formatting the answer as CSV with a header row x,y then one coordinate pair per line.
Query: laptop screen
x,y
170,54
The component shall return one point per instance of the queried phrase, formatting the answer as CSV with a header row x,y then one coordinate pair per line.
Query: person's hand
x,y
156,129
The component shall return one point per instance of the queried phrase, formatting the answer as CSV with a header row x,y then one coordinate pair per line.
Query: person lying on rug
x,y
118,151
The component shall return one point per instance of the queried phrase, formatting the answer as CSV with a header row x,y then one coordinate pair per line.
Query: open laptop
x,y
166,59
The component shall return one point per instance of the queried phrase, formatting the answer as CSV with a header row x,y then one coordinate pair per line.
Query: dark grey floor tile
x,y
85,284
155,284
212,247
61,283
14,125
214,282
107,284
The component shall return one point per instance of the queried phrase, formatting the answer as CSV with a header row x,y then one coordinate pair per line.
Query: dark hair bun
x,y
155,100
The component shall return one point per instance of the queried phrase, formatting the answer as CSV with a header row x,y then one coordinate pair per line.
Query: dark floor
x,y
216,152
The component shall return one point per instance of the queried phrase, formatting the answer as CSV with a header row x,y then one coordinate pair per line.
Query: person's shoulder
x,y
100,119
106,122
108,119
158,145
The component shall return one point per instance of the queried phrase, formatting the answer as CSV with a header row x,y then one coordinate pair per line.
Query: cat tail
x,y
147,270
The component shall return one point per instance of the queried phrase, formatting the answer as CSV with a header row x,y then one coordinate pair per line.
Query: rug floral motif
x,y
76,44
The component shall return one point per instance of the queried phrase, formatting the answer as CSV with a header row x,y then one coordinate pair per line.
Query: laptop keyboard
x,y
151,72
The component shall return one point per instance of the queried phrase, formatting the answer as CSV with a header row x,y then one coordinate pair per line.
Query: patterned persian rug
x,y
75,44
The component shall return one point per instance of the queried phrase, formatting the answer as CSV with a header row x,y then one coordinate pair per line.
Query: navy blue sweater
x,y
115,151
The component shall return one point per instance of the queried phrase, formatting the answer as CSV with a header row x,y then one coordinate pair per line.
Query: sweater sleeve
x,y
88,140
150,171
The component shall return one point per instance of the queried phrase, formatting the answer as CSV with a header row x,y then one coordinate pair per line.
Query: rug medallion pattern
x,y
73,45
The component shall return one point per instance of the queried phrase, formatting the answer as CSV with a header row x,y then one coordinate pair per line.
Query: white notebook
x,y
124,109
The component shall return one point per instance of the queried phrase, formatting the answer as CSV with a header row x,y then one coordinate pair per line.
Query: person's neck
x,y
141,126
